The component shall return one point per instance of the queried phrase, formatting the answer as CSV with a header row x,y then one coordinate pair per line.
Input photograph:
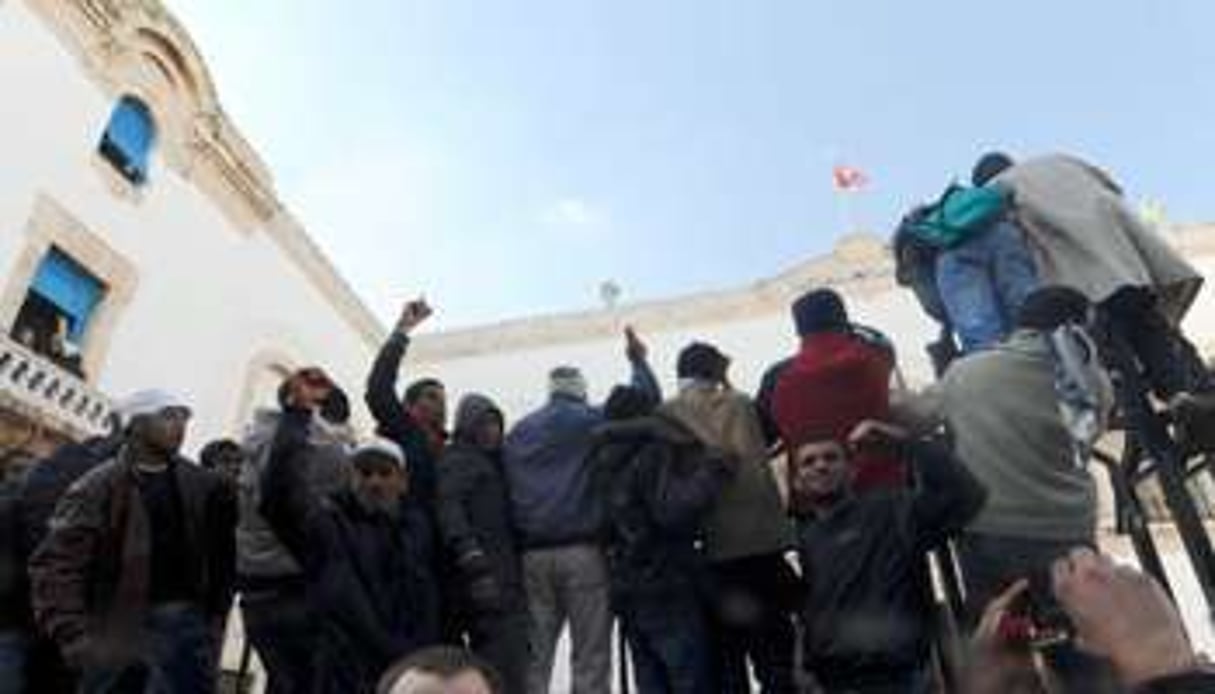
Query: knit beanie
x,y
989,166
703,361
376,449
819,310
567,381
1050,307
148,402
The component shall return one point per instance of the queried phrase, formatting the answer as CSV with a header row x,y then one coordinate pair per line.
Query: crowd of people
x,y
780,541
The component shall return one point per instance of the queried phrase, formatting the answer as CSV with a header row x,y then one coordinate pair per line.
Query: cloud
x,y
574,216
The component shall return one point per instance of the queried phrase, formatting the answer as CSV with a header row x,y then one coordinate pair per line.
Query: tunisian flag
x,y
848,179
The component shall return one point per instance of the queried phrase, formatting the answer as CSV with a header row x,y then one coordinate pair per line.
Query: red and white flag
x,y
848,179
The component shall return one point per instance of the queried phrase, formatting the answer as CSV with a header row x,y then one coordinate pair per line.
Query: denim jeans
x,y
983,283
178,657
671,646
280,628
14,647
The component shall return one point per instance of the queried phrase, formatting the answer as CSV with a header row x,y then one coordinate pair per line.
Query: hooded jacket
x,y
262,560
474,509
656,482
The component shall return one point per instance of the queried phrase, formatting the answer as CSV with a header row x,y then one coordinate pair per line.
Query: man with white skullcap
x,y
367,551
134,579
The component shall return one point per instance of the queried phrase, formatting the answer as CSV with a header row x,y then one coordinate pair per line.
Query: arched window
x,y
128,139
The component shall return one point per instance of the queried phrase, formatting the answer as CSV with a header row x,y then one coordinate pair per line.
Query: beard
x,y
378,505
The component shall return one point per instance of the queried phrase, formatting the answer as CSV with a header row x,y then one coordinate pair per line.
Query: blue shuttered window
x,y
128,139
63,282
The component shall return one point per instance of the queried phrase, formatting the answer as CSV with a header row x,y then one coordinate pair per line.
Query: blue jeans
x,y
13,650
178,657
983,283
671,647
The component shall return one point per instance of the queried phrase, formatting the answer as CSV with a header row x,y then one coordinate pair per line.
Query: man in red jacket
x,y
839,378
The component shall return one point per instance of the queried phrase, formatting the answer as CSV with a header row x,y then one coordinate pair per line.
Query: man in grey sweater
x,y
1002,409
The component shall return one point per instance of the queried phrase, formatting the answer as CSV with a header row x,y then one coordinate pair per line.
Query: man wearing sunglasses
x,y
134,579
367,555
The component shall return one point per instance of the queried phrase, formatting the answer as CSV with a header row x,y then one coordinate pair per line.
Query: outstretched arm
x,y
948,496
288,505
381,395
643,378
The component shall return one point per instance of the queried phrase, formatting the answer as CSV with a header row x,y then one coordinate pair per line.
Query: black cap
x,y
702,360
989,166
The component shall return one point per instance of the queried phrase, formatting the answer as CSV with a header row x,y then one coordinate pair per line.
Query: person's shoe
x,y
1194,417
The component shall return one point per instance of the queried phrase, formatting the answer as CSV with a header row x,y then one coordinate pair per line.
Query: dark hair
x,y
820,310
414,391
217,450
989,166
443,661
702,360
1050,307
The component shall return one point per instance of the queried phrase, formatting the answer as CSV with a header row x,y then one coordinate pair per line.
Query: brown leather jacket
x,y
90,576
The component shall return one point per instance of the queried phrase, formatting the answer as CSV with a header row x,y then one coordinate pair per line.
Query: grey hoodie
x,y
259,554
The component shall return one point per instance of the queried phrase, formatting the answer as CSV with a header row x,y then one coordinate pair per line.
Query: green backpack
x,y
960,213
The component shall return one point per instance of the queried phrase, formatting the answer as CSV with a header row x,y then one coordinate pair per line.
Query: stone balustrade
x,y
38,389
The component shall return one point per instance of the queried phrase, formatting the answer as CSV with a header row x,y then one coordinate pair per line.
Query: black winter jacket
x,y
656,482
475,521
863,564
371,577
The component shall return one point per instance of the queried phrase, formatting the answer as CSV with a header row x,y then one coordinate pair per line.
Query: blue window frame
x,y
128,139
71,288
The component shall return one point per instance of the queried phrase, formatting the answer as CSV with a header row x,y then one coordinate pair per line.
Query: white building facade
x,y
141,240
752,324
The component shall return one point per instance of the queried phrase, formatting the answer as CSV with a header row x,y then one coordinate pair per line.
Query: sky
x,y
506,158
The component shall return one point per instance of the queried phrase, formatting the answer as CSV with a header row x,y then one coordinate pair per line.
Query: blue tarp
x,y
63,282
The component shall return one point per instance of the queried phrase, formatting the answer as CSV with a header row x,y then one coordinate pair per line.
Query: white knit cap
x,y
381,445
145,402
568,381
